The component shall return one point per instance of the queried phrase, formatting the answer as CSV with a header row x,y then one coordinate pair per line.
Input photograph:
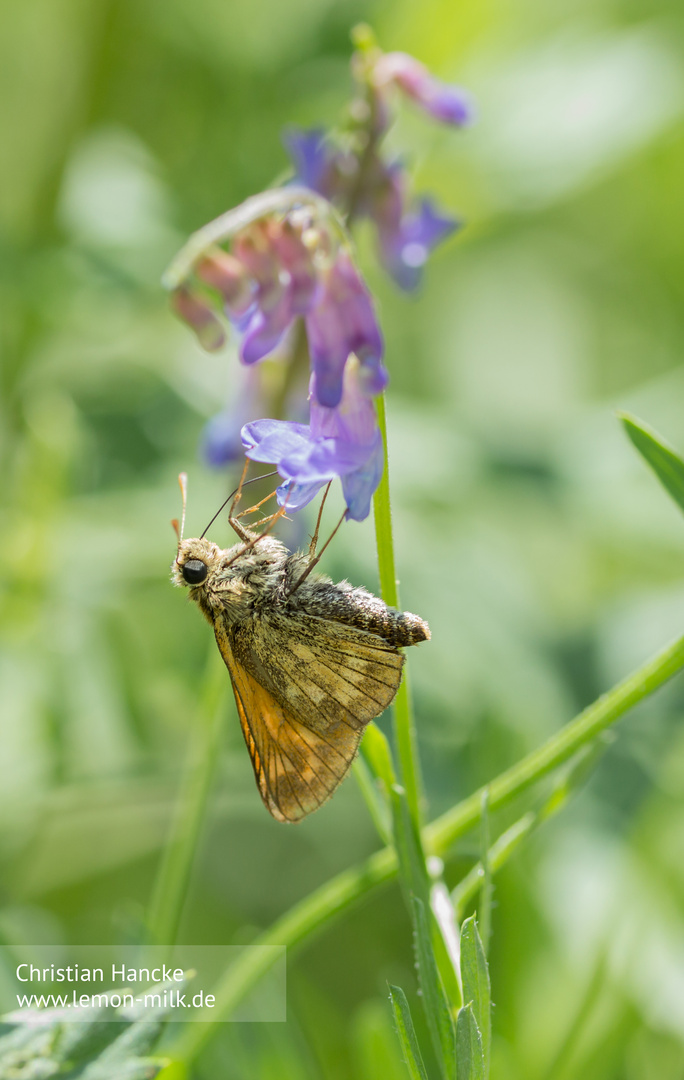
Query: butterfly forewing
x,y
326,672
310,665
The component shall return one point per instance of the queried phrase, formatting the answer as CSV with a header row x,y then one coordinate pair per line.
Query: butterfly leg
x,y
232,518
314,538
313,562
257,506
251,539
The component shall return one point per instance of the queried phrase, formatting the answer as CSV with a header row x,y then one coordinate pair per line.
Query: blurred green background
x,y
544,555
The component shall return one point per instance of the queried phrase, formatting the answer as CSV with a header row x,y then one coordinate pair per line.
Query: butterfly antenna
x,y
240,486
183,484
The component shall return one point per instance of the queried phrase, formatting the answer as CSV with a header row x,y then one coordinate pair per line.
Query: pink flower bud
x,y
228,276
297,262
194,311
447,103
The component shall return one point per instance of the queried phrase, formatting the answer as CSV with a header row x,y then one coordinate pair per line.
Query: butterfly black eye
x,y
194,571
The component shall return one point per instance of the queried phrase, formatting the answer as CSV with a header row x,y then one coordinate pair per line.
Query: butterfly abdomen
x,y
398,628
404,628
359,608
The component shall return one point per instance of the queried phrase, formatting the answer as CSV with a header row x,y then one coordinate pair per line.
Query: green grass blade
x,y
559,748
485,905
470,1059
575,775
445,942
435,1002
415,881
569,782
375,749
500,852
407,1034
476,986
377,806
663,459
412,870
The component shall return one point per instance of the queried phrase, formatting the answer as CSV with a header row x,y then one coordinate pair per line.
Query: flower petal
x,y
354,419
265,330
229,277
322,460
358,487
270,440
343,321
307,461
311,156
445,102
295,496
297,267
405,249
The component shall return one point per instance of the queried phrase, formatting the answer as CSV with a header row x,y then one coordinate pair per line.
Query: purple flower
x,y
447,103
273,277
406,244
322,165
406,238
336,304
313,159
342,322
282,268
344,442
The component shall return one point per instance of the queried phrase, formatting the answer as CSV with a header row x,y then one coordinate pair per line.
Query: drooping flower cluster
x,y
290,261
368,184
283,267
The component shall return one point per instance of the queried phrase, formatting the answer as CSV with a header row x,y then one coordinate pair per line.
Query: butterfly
x,y
311,661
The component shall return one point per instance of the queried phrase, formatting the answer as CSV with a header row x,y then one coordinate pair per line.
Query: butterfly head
x,y
197,559
195,562
227,582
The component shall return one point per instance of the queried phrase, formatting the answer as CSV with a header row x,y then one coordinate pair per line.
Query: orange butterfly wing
x,y
296,766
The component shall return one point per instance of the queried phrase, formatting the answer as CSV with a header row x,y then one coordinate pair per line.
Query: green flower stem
x,y
339,894
383,521
403,718
171,885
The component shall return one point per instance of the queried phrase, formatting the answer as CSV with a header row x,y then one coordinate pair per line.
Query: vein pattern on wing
x,y
324,671
304,693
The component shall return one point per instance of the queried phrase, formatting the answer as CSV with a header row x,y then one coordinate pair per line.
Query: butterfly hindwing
x,y
304,694
326,672
296,767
